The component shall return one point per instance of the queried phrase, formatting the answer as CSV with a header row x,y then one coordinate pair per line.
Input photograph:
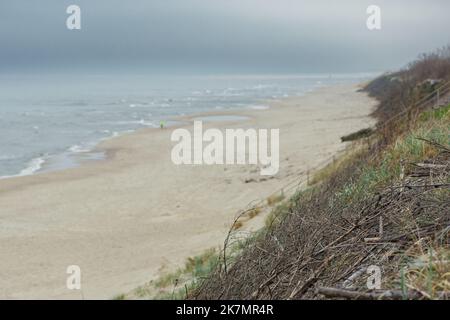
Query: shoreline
x,y
80,156
123,217
84,152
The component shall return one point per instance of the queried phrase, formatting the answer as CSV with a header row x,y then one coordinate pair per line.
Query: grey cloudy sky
x,y
292,36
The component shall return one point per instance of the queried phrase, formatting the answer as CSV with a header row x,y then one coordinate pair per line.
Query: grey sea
x,y
53,122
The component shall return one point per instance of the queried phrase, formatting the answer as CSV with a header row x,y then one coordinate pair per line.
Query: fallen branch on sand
x,y
374,295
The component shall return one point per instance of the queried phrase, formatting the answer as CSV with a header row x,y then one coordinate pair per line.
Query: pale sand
x,y
122,218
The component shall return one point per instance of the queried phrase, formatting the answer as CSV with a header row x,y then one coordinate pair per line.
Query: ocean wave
x,y
33,166
117,134
146,123
262,86
141,122
140,105
79,149
259,107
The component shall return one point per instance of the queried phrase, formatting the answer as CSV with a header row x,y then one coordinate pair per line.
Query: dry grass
x,y
325,244
176,284
338,163
424,268
318,237
254,212
237,225
274,199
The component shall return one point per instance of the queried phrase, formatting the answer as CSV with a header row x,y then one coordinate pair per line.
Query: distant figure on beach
x,y
161,124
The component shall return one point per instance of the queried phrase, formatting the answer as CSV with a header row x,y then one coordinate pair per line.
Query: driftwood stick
x,y
434,143
430,165
300,290
410,186
374,295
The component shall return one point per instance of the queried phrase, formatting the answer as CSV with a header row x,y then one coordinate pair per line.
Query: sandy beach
x,y
124,218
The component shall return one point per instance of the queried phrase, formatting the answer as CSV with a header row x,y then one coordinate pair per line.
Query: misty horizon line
x,y
203,73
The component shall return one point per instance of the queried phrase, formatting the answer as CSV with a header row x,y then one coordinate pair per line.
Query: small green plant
x,y
202,264
121,296
429,272
168,279
173,285
276,215
437,114
406,149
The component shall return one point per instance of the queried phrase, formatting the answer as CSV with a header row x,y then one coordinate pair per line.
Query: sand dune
x,y
122,218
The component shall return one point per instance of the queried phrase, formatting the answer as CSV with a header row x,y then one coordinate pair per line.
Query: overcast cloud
x,y
290,36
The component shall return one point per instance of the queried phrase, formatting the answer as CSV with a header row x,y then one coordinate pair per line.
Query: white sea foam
x,y
146,123
117,134
78,149
136,122
141,122
54,121
137,105
33,166
262,86
259,107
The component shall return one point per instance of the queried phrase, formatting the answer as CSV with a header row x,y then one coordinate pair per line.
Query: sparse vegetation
x,y
254,212
274,199
119,297
384,203
237,225
325,173
426,270
176,284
